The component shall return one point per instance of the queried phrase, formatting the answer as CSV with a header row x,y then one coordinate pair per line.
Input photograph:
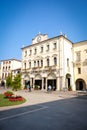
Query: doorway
x,y
52,82
68,81
38,83
80,84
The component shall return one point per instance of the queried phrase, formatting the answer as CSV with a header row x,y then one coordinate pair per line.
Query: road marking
x,y
20,114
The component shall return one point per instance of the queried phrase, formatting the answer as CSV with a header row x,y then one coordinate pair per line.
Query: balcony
x,y
37,69
50,68
77,63
40,69
26,70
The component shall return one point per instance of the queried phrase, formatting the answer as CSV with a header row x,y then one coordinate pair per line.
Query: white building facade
x,y
8,66
48,62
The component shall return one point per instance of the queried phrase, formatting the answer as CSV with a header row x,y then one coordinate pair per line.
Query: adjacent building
x,y
9,66
80,65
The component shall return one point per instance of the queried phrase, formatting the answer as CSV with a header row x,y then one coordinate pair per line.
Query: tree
x,y
9,81
16,84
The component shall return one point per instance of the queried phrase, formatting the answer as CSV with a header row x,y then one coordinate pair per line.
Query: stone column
x,y
46,83
33,82
58,83
22,82
30,81
42,83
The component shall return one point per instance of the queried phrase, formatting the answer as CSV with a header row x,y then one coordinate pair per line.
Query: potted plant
x,y
70,88
36,87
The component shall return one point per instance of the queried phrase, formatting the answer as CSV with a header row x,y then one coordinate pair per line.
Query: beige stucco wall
x,y
82,48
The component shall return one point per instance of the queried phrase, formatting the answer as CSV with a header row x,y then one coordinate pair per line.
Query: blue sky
x,y
21,20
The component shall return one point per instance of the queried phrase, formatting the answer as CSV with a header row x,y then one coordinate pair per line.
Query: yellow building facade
x,y
80,65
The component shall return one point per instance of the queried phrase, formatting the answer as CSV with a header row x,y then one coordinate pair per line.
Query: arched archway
x,y
68,80
38,81
80,84
51,80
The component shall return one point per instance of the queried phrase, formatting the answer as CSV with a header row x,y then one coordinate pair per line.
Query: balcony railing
x,y
39,69
77,63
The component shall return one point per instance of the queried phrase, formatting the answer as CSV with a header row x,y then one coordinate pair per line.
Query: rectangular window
x,y
38,63
30,52
6,68
48,62
55,61
79,70
29,64
47,47
85,53
67,62
35,51
2,75
3,68
78,56
34,63
41,49
25,53
9,68
55,45
24,65
41,63
5,75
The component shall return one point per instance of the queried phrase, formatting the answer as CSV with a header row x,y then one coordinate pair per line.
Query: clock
x,y
39,38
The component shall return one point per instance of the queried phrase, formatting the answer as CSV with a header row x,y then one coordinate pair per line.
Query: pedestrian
x,y
49,88
29,88
54,88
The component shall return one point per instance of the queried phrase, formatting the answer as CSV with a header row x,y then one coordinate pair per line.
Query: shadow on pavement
x,y
64,114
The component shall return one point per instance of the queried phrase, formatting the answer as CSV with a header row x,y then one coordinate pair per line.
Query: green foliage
x,y
36,87
9,92
70,88
16,84
9,81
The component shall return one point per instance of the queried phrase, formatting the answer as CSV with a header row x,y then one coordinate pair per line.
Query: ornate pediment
x,y
38,58
39,38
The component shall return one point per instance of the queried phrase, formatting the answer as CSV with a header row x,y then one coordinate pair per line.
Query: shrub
x,y
70,88
8,94
36,87
9,81
16,84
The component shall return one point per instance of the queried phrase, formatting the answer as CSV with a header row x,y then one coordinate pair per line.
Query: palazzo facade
x,y
48,61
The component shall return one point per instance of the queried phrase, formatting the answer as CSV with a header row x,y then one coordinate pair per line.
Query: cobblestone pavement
x,y
41,96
